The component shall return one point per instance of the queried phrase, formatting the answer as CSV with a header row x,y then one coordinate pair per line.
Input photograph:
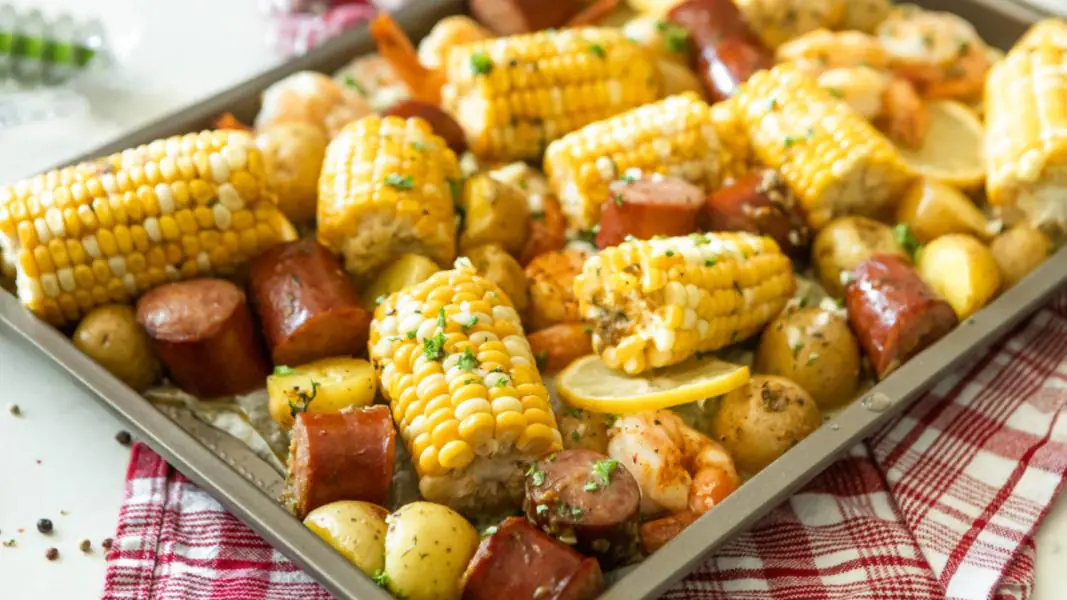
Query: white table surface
x,y
60,456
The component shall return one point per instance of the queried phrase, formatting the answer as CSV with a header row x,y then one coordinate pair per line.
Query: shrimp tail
x,y
904,115
396,48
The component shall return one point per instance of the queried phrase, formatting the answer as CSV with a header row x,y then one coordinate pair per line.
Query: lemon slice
x,y
590,384
951,151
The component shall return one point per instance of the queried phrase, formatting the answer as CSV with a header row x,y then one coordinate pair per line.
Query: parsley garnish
x,y
442,320
537,476
411,334
537,215
481,64
434,347
468,326
381,578
379,300
602,469
676,38
542,509
670,253
789,141
598,50
352,83
709,262
542,359
456,187
303,398
814,356
588,235
907,240
282,370
489,531
502,382
836,93
467,361
418,146
400,182
617,198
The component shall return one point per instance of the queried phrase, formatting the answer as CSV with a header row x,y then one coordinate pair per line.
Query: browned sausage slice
x,y
519,562
727,51
585,498
307,304
547,231
203,332
560,345
648,207
440,121
508,17
895,314
759,202
347,455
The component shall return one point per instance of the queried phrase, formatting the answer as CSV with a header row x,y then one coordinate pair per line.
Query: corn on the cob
x,y
675,136
735,156
658,302
385,190
1047,32
514,95
111,229
464,388
1026,135
777,21
835,162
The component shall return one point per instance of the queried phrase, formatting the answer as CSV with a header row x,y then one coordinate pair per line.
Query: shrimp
x,y
677,467
891,103
396,48
822,49
939,52
446,34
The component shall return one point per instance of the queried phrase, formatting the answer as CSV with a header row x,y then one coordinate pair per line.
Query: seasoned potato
x,y
292,156
758,422
427,548
529,180
551,278
355,529
111,336
584,429
846,242
932,209
665,40
677,78
493,213
323,386
404,272
496,265
815,349
1018,251
962,271
557,346
448,33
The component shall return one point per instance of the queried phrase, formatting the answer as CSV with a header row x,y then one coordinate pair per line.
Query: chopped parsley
x,y
797,347
588,329
352,83
598,49
502,382
836,93
814,356
299,400
709,262
670,253
675,38
536,476
419,146
481,64
282,370
434,348
400,182
542,360
537,215
489,531
617,198
442,320
466,328
542,509
588,235
602,469
467,361
379,300
906,240
590,486
789,141
772,105
628,178
456,187
411,334
381,578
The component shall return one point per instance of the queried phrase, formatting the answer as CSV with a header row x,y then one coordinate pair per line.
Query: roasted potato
x,y
551,278
962,271
355,529
1018,251
846,242
427,548
493,213
677,79
815,349
496,265
404,272
292,156
326,385
557,346
760,421
932,209
111,336
584,429
662,38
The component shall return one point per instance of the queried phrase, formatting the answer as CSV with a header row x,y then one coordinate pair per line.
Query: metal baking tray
x,y
248,488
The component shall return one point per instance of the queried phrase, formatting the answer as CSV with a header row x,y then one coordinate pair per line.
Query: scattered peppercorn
x,y
51,554
106,544
85,546
123,437
14,410
44,525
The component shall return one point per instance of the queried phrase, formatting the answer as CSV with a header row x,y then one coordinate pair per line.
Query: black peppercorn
x,y
51,554
124,438
85,546
44,525
106,544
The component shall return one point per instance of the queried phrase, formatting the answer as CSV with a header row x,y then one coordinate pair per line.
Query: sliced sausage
x,y
762,203
649,207
306,303
203,332
726,52
346,455
440,121
509,17
548,229
520,562
894,313
656,533
587,499
560,345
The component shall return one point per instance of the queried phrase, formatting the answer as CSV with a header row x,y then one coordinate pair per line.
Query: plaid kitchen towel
x,y
942,503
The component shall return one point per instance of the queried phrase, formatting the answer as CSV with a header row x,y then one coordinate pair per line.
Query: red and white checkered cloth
x,y
942,503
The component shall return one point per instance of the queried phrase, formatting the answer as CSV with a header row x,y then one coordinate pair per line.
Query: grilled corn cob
x,y
385,190
1026,135
674,136
110,229
658,302
777,21
551,276
514,95
464,389
835,162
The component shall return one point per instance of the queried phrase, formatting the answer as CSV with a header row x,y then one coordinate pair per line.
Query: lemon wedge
x,y
590,384
951,151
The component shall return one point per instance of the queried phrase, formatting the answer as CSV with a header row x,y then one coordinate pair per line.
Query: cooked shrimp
x,y
677,467
446,34
822,49
372,77
396,48
890,102
938,51
312,98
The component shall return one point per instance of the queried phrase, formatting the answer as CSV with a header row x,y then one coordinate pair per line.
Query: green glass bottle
x,y
36,50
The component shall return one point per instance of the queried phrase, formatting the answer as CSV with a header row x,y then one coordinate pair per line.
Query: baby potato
x,y
846,242
427,548
760,421
355,529
111,336
292,156
582,428
677,78
962,271
496,265
662,38
404,272
815,349
1018,251
323,386
932,209
493,213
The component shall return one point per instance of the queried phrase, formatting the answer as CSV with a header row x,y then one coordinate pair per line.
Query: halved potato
x,y
962,270
932,209
323,386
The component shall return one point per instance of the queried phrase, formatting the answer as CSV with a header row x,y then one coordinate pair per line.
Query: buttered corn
x,y
656,303
513,95
464,389
109,230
